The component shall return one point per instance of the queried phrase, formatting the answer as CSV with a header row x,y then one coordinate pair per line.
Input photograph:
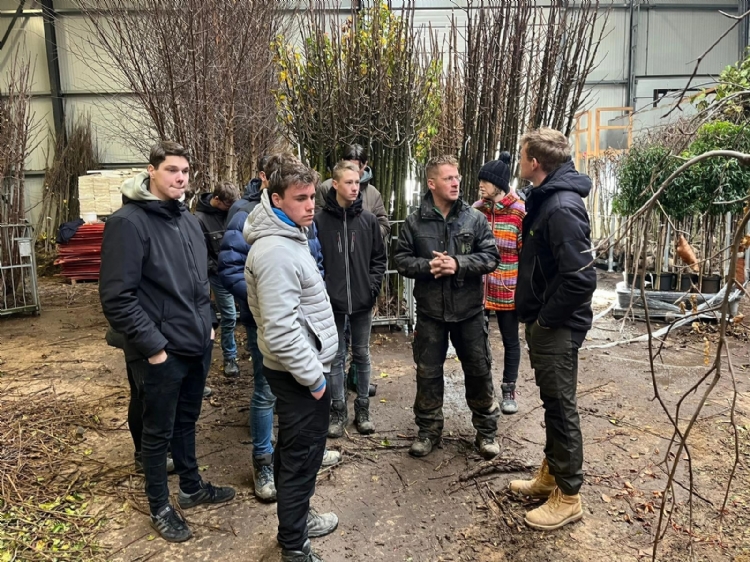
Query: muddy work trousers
x,y
471,340
554,357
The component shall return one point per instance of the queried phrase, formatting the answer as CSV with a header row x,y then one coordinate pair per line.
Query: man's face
x,y
445,184
263,181
170,179
347,187
527,166
298,203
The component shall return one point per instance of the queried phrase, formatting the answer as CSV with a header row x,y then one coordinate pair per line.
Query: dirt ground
x,y
396,508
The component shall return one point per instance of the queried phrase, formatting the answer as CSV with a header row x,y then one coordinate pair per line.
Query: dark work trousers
x,y
303,429
135,411
172,395
507,322
471,340
554,357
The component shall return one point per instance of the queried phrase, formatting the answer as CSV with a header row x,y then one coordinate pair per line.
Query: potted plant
x,y
643,169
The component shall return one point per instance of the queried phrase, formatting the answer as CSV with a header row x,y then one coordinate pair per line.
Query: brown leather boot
x,y
540,486
557,511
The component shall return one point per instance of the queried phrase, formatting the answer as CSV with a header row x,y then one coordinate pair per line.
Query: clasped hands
x,y
443,265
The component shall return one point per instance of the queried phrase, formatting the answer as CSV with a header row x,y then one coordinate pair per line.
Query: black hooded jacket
x,y
556,276
353,254
153,281
213,224
465,235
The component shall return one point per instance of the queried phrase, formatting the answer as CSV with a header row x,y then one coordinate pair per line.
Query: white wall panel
x,y
25,45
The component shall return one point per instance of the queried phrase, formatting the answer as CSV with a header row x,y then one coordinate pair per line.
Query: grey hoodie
x,y
288,299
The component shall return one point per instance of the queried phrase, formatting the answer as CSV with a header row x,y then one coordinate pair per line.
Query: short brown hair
x,y
436,161
273,162
162,149
550,148
289,173
227,192
343,165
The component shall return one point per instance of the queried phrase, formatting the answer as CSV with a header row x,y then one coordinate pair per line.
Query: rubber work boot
x,y
487,446
321,524
339,419
265,490
509,405
362,416
540,486
306,554
231,368
423,446
557,511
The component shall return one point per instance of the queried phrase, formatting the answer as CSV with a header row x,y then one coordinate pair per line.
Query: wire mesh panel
x,y
395,305
18,288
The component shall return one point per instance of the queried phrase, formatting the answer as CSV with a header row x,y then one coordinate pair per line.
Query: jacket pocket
x,y
464,243
313,337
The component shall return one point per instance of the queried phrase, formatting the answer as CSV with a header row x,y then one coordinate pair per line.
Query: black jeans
x,y
507,321
303,429
172,396
135,411
554,357
471,340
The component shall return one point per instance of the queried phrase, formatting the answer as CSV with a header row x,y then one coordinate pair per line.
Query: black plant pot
x,y
685,282
637,278
711,284
664,281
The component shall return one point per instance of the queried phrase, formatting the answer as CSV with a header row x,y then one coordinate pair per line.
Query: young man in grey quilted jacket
x,y
298,339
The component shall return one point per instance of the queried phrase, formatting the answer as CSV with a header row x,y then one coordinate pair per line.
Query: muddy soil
x,y
396,508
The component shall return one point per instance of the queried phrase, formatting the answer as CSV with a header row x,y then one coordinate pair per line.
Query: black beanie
x,y
497,173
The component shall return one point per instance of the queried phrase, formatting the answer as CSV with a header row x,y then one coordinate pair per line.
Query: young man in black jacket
x,y
154,290
556,281
447,246
355,263
211,212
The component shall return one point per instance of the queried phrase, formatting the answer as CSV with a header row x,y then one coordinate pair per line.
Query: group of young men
x,y
306,283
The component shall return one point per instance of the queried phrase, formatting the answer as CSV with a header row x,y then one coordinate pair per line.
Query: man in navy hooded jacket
x,y
556,282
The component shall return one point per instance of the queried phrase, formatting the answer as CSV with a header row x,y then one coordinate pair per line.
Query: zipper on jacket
x,y
338,237
346,265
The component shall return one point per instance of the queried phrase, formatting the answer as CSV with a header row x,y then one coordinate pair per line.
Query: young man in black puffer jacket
x,y
556,282
355,263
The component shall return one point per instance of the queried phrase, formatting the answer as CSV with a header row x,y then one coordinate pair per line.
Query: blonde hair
x,y
550,148
342,166
436,161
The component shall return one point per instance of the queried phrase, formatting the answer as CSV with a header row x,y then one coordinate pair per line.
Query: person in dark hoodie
x,y
231,267
211,211
372,201
154,290
354,257
556,282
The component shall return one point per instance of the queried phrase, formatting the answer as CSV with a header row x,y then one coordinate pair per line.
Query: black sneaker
x,y
305,554
170,525
207,494
231,368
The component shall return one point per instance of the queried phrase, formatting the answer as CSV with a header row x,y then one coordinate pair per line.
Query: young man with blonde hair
x,y
447,246
556,281
355,262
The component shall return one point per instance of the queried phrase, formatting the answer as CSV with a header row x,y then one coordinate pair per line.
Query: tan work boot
x,y
557,511
540,486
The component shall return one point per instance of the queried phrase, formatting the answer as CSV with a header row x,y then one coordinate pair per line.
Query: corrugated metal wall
x,y
670,35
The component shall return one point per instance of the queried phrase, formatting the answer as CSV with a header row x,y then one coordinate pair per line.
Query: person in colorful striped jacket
x,y
504,211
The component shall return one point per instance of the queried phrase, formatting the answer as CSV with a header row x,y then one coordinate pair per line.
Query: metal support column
x,y
53,66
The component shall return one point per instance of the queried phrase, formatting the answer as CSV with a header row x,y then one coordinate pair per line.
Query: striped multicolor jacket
x,y
505,219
